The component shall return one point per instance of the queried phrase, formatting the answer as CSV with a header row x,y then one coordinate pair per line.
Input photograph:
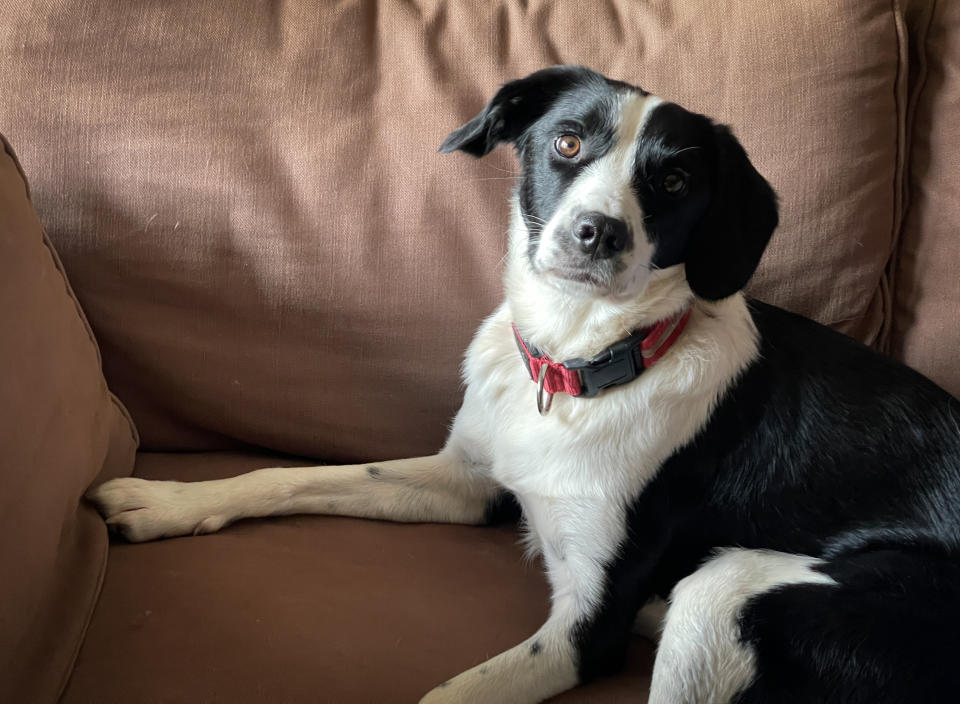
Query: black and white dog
x,y
794,495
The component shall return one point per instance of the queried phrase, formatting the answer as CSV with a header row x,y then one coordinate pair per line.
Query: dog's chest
x,y
610,445
613,444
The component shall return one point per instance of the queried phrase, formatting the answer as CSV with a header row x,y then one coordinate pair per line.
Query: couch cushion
x,y
59,429
272,252
311,609
927,283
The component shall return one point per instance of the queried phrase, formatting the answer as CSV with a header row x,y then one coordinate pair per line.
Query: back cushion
x,y
927,281
60,428
254,214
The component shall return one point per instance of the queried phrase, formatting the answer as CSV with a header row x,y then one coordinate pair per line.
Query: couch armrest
x,y
60,429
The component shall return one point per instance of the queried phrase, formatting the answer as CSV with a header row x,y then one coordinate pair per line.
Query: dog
x,y
794,495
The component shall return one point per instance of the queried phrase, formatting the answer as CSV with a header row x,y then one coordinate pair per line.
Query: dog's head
x,y
618,183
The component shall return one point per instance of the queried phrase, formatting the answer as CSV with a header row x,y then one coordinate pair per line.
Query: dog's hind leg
x,y
876,626
453,486
701,658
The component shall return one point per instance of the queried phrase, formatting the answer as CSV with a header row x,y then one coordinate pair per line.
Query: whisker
x,y
505,171
685,149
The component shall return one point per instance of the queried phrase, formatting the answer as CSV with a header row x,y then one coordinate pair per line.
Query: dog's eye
x,y
567,145
674,182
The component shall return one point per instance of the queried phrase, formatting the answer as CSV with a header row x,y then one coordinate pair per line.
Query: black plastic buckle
x,y
618,364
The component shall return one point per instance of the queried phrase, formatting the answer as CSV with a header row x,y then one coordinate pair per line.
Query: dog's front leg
x,y
594,603
453,486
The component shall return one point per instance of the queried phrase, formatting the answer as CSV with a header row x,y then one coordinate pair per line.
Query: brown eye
x,y
567,145
674,182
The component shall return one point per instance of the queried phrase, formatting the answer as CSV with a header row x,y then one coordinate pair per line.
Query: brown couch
x,y
275,262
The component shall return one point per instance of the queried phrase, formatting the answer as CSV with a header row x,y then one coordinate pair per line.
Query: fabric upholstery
x,y
251,206
926,333
311,609
60,428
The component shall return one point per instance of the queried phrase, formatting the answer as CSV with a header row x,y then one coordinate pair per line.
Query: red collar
x,y
620,363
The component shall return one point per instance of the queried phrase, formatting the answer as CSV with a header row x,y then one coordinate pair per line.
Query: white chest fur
x,y
613,444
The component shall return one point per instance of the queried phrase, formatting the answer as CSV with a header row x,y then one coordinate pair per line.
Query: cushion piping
x,y
85,624
900,88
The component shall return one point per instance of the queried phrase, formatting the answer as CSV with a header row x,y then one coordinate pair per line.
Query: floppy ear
x,y
730,238
515,107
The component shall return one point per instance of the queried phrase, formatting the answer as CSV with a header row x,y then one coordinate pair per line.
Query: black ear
x,y
515,107
728,242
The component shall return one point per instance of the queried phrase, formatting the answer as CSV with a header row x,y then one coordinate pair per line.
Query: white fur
x,y
701,659
575,471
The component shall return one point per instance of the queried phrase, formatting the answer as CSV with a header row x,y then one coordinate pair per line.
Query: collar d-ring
x,y
544,398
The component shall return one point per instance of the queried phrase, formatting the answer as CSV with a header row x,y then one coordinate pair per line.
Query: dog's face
x,y
618,183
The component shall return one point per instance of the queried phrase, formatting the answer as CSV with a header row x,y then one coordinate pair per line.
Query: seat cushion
x,y
272,252
311,608
60,429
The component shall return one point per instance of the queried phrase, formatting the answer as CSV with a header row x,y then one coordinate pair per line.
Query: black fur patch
x,y
374,472
675,141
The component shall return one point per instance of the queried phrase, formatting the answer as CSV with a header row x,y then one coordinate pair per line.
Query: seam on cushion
x,y
900,87
88,619
134,434
922,32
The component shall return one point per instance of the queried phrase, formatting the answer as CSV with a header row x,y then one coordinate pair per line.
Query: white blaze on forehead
x,y
635,110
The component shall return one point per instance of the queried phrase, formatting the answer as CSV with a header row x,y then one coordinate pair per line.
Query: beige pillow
x,y
60,428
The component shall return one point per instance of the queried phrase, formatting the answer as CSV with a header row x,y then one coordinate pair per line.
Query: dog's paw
x,y
140,510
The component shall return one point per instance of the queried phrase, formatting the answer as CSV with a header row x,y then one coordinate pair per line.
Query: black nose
x,y
600,235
